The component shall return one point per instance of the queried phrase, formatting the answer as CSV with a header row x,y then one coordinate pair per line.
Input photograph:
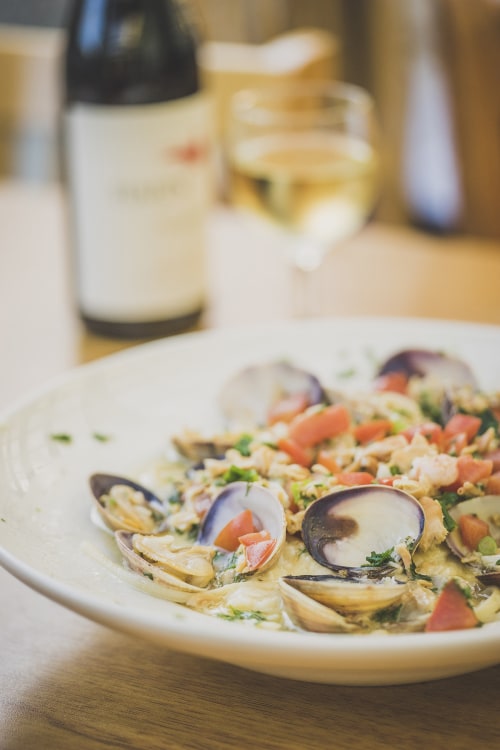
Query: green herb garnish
x,y
240,614
388,615
488,420
61,437
418,576
349,372
236,474
377,559
243,445
448,500
100,437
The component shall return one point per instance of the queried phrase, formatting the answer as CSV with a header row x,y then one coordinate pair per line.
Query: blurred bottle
x,y
137,146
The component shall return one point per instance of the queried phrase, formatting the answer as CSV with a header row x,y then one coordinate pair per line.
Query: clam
x,y
179,577
358,530
267,514
425,363
308,614
249,395
487,508
197,448
349,596
124,504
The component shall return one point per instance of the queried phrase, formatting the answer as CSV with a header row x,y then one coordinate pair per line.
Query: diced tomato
x,y
327,459
495,457
298,454
287,408
254,537
354,478
472,530
375,429
462,423
431,431
473,469
313,427
397,382
493,484
228,537
257,554
452,611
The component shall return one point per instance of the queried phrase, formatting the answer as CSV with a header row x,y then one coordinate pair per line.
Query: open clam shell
x,y
341,530
266,509
165,574
248,396
424,363
125,504
487,508
308,614
349,596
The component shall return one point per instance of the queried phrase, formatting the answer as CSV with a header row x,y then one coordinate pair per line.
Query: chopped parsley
x,y
349,372
448,500
226,562
237,474
100,437
61,437
418,576
377,559
488,420
388,615
304,493
243,445
241,614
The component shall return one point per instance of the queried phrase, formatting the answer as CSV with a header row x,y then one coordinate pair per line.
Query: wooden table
x,y
69,683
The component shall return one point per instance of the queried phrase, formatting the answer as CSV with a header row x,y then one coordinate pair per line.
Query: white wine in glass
x,y
305,158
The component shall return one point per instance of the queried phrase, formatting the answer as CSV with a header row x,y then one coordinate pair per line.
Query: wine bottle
x,y
137,156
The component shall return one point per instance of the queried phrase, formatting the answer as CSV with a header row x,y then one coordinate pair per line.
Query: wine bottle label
x,y
140,186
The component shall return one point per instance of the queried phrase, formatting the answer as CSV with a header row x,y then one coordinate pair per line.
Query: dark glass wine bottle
x,y
137,146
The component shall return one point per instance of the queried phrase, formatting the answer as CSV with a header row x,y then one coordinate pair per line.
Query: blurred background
x,y
432,65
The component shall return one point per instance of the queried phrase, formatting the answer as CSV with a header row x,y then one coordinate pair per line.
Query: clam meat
x,y
178,571
124,504
484,557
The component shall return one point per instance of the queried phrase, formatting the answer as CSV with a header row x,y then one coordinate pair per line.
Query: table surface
x,y
70,683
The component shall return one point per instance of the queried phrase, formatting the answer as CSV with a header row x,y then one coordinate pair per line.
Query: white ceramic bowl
x,y
142,396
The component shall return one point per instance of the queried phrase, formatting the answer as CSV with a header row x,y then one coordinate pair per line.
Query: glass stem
x,y
306,301
306,287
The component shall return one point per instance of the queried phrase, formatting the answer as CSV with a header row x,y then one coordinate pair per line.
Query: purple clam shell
x,y
233,500
342,529
425,362
101,484
248,396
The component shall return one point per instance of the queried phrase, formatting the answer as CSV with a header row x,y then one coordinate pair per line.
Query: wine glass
x,y
304,156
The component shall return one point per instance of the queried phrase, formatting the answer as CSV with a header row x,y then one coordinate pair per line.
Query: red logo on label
x,y
189,153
